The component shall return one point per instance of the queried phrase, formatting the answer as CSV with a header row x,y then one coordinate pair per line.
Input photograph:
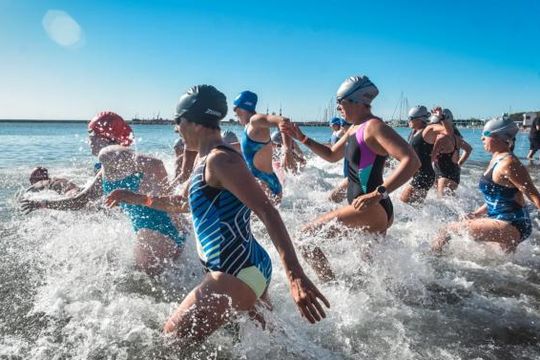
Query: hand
x,y
292,130
437,111
288,161
120,195
27,206
363,202
305,296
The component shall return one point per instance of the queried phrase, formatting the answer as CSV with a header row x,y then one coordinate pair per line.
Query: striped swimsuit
x,y
224,239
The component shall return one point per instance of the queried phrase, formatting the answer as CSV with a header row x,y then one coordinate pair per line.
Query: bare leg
x,y
209,306
372,219
446,187
412,195
339,193
485,230
153,250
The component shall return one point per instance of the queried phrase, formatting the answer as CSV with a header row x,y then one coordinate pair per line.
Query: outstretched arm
x,y
77,202
230,172
331,154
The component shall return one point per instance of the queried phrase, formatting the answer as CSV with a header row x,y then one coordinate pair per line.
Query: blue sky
x,y
479,58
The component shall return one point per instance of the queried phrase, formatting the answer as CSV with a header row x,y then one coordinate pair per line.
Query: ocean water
x,y
68,288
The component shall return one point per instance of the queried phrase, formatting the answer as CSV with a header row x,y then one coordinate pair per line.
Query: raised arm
x,y
229,171
331,154
77,202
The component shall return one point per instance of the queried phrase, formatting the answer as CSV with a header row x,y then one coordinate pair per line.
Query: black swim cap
x,y
202,104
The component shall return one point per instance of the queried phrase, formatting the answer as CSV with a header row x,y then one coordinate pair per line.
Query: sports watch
x,y
382,190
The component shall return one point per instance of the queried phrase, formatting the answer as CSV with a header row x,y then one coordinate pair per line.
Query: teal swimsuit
x,y
143,217
249,149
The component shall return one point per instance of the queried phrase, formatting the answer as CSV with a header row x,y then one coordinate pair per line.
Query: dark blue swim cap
x,y
246,100
335,121
202,104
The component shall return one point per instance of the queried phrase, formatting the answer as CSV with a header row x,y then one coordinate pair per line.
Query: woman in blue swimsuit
x,y
256,143
221,195
158,238
503,218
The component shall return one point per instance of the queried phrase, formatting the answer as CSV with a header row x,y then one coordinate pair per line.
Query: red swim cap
x,y
111,126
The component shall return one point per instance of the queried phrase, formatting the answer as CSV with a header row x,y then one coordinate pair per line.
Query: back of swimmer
x,y
129,173
256,144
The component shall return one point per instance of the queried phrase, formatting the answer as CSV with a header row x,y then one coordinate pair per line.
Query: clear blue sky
x,y
479,58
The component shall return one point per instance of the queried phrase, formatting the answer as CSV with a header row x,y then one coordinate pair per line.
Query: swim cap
x,y
419,112
179,143
344,123
446,116
38,174
357,89
229,137
202,104
335,121
111,126
246,100
276,138
503,128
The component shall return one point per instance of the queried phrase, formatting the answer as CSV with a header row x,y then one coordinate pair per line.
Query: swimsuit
x,y
446,168
224,239
249,149
425,176
364,169
502,205
143,217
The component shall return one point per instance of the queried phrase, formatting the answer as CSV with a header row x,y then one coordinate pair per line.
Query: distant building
x,y
528,118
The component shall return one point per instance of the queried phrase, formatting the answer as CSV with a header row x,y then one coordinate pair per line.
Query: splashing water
x,y
68,288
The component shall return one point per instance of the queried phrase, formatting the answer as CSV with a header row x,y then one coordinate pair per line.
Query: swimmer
x,y
256,147
366,146
416,191
158,238
106,128
221,195
183,165
297,153
335,125
445,154
230,138
40,180
503,218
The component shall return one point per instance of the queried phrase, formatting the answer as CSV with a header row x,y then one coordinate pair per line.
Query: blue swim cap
x,y
246,100
344,122
335,121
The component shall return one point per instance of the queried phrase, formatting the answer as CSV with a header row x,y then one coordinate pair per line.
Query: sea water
x,y
69,290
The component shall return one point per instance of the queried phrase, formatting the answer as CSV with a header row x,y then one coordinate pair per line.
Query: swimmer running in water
x,y
445,154
365,146
158,238
256,143
503,218
40,180
221,195
421,139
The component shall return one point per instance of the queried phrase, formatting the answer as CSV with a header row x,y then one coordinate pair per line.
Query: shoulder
x,y
147,161
221,157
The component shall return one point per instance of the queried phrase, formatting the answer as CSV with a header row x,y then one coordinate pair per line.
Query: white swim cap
x,y
358,89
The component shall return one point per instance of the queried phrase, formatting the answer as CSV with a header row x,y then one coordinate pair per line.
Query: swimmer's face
x,y
494,144
188,130
97,142
335,127
352,110
415,123
242,115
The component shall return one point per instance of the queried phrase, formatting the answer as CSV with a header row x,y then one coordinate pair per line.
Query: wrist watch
x,y
382,190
